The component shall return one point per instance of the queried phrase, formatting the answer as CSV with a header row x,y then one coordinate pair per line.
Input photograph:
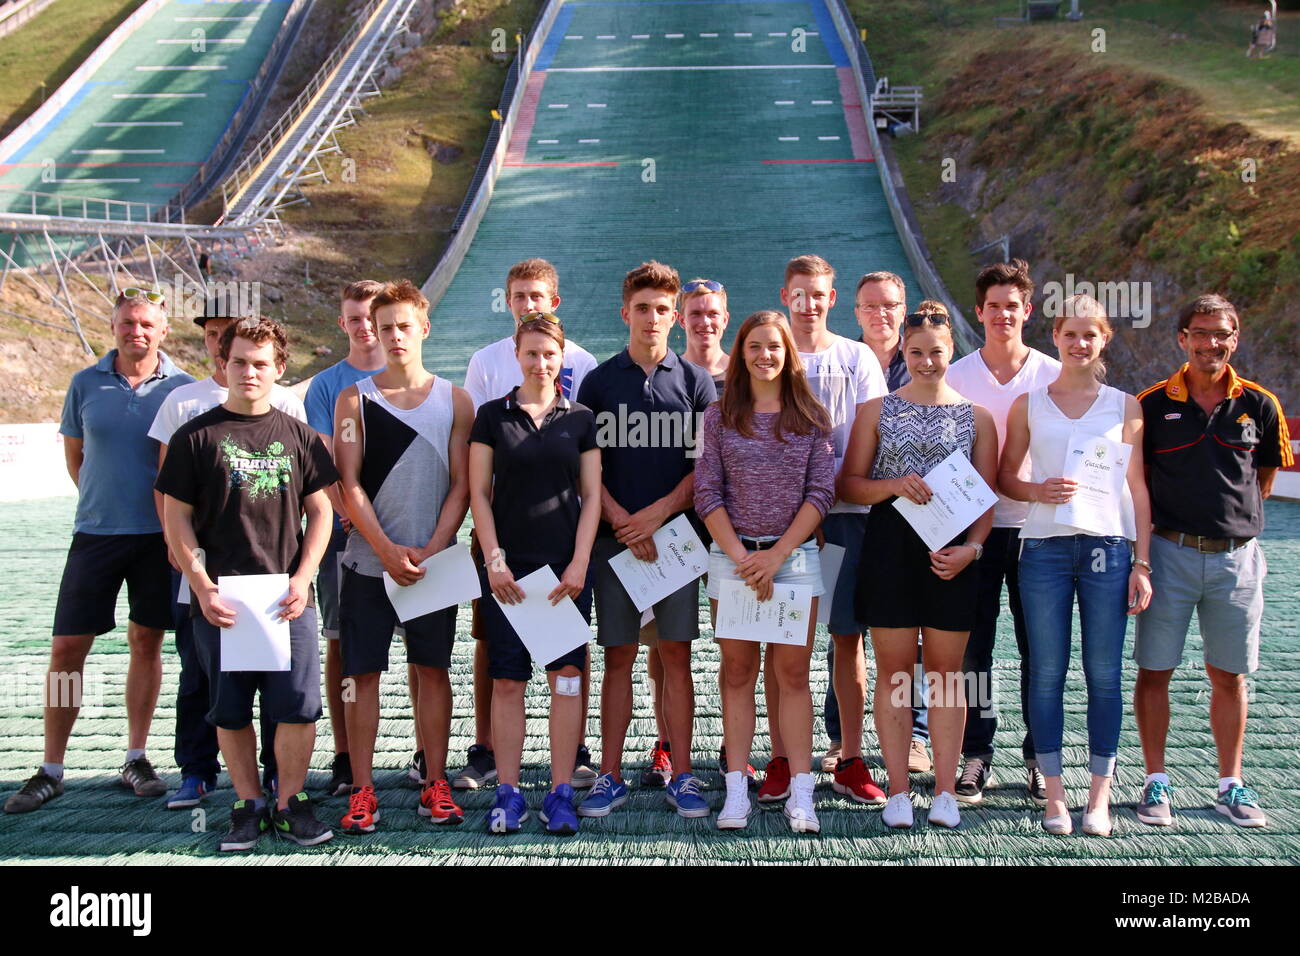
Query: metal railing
x,y
92,208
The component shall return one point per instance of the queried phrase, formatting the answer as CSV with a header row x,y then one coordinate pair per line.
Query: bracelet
x,y
1142,563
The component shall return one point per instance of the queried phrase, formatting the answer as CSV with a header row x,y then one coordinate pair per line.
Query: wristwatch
x,y
979,549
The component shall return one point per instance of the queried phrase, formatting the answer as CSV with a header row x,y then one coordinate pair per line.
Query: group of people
x,y
797,438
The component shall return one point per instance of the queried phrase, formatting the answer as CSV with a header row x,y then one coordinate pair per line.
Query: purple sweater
x,y
761,481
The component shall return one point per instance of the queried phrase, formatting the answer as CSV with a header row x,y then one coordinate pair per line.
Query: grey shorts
x,y
618,622
1225,590
328,584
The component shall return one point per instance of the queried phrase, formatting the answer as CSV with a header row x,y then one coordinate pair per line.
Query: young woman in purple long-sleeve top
x,y
764,480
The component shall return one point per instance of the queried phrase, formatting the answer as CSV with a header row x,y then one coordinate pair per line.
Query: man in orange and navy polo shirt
x,y
1213,444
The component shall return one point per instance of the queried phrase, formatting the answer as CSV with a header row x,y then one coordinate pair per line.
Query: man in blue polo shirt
x,y
117,537
639,393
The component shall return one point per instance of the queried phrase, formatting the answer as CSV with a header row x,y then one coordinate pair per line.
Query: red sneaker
x,y
660,771
776,781
436,802
363,811
853,779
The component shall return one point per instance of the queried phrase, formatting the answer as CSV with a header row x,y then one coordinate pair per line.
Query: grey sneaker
x,y
584,774
832,758
1241,806
1156,809
140,776
975,776
39,789
480,769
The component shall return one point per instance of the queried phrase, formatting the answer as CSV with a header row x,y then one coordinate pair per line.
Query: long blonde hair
x,y
801,412
1080,306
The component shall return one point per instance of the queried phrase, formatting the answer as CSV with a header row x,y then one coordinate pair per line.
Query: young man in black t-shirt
x,y
237,480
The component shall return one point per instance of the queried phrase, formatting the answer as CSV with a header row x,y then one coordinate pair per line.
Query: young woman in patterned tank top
x,y
903,587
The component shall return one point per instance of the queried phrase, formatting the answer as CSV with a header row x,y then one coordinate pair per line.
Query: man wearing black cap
x,y
196,740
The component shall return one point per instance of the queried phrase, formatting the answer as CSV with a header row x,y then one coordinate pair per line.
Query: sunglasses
x,y
702,284
544,316
152,295
927,318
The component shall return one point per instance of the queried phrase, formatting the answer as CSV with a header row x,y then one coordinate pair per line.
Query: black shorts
x,y
92,577
896,585
508,658
288,697
366,622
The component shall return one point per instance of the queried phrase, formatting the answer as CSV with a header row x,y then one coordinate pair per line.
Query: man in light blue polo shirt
x,y
117,537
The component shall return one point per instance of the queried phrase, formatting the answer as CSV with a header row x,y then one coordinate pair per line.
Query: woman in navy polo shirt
x,y
534,472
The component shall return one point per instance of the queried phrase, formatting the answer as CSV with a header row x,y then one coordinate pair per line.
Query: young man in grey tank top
x,y
401,442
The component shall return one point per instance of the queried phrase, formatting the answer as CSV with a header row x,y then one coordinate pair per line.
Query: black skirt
x,y
896,586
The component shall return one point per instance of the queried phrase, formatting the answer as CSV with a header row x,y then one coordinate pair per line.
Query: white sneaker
x,y
898,812
944,812
735,811
799,807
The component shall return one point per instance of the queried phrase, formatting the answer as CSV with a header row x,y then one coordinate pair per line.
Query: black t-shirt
x,y
1204,468
536,472
246,477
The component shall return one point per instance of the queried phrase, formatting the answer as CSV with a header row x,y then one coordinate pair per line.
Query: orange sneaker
x,y
436,802
363,811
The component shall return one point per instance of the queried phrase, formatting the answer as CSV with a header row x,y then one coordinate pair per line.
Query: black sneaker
x,y
140,776
975,776
418,771
298,824
480,769
39,789
340,784
247,824
584,773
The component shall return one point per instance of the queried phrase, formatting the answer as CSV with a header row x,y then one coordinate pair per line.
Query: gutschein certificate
x,y
959,496
1100,466
682,559
781,620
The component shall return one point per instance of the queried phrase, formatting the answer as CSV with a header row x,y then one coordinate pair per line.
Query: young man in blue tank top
x,y
401,442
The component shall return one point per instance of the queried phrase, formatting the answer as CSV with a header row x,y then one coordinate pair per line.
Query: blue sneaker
x,y
509,812
606,794
684,794
190,793
558,813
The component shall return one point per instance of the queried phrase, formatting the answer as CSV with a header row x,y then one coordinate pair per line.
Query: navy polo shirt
x,y
1204,469
647,427
896,375
120,464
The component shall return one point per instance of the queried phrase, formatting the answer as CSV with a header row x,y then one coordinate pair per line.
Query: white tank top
x,y
1050,433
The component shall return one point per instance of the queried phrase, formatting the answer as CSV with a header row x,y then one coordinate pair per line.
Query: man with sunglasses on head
x,y
995,376
117,537
1213,443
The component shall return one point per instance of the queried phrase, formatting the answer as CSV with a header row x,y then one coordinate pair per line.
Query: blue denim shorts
x,y
802,567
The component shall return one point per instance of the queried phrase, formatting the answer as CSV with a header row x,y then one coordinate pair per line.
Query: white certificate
x,y
549,632
449,578
1100,466
832,556
781,620
258,640
682,559
959,496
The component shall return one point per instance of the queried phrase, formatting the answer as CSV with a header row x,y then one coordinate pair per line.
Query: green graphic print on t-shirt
x,y
259,474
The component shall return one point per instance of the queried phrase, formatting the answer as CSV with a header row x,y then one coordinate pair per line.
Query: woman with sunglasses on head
x,y
764,480
534,471
1106,563
904,589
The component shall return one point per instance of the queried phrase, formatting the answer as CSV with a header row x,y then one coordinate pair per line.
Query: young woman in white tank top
x,y
1103,558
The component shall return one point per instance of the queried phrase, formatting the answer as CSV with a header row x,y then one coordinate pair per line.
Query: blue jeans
x,y
1052,572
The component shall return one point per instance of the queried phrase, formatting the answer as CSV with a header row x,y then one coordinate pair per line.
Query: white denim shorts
x,y
802,567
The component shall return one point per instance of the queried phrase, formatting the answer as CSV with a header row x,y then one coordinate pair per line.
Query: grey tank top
x,y
915,438
404,470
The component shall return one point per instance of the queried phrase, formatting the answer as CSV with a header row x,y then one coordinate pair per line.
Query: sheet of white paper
x,y
549,632
781,620
183,592
682,559
959,496
1100,466
832,557
258,640
647,616
449,578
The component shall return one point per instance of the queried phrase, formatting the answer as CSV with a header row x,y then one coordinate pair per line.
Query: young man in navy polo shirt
x,y
1213,443
644,391
117,537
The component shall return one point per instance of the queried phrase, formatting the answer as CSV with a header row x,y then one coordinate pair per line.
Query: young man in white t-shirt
x,y
196,747
844,375
531,286
994,376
